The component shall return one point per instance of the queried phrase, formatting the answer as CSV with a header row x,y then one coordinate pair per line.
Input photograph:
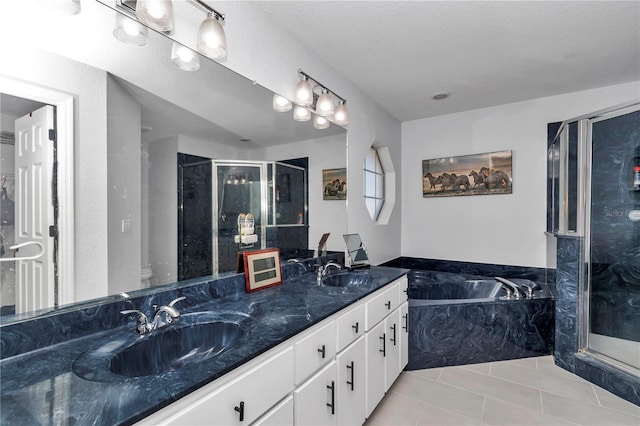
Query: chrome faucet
x,y
323,270
510,285
168,312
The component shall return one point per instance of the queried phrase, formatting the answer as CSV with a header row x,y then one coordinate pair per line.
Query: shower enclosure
x,y
226,207
594,196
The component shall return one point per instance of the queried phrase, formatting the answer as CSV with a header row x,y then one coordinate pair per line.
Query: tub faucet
x,y
510,285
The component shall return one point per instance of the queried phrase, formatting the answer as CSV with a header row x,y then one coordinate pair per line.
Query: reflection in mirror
x,y
356,255
156,166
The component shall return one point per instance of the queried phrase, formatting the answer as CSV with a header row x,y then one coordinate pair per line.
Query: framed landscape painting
x,y
477,174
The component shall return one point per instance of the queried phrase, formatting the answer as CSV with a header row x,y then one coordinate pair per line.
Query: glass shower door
x,y
239,211
614,237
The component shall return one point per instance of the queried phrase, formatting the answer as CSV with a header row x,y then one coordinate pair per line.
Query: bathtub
x,y
457,319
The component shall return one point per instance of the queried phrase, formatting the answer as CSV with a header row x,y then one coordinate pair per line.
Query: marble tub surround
x,y
466,330
41,386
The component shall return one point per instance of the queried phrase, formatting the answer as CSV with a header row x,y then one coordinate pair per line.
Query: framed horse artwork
x,y
334,184
476,174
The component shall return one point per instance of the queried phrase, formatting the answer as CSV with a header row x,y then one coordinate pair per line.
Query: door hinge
x,y
53,135
53,231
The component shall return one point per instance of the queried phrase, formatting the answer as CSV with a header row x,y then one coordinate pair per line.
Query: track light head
x,y
212,40
158,14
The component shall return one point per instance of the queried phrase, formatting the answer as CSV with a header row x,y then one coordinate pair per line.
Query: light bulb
x,y
320,122
281,104
341,115
129,31
211,38
301,113
184,58
304,93
158,14
325,107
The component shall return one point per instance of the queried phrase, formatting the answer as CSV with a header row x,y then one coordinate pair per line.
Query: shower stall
x,y
226,207
594,212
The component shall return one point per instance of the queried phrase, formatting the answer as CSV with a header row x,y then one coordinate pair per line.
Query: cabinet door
x,y
392,361
404,335
350,326
315,350
376,356
315,401
280,415
352,384
238,402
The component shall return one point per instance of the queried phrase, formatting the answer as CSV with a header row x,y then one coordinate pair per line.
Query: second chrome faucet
x,y
164,315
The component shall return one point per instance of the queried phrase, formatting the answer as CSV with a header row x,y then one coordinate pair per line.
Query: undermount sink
x,y
196,337
172,348
347,279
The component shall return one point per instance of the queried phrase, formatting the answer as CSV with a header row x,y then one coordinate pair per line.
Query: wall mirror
x,y
164,163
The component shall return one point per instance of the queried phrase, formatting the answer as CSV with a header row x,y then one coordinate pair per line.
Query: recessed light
x,y
440,96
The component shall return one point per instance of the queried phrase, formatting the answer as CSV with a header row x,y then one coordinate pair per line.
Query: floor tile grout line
x,y
484,404
596,394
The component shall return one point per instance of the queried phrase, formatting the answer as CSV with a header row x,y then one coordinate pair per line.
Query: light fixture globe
x,y
211,38
340,115
184,58
324,106
304,93
281,104
301,113
158,14
129,31
320,122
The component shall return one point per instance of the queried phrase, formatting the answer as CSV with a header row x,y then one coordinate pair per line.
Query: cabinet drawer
x,y
250,394
381,305
403,288
350,326
314,350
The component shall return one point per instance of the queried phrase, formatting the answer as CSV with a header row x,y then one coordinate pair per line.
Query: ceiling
x,y
484,52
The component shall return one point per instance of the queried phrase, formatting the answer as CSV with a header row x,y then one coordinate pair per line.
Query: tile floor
x,y
531,391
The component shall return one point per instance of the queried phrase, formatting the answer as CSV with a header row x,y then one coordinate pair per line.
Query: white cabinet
x,y
392,348
238,401
352,384
315,401
314,350
404,335
281,414
376,351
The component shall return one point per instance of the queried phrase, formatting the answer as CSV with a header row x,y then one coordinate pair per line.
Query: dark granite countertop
x,y
44,385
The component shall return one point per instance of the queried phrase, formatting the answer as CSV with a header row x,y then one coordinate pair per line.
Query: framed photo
x,y
262,269
334,183
477,174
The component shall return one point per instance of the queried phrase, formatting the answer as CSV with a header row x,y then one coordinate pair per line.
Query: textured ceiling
x,y
484,52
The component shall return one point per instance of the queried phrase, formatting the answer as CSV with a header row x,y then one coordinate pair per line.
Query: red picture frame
x,y
262,269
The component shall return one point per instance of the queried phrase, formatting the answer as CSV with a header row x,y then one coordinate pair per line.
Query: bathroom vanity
x,y
308,353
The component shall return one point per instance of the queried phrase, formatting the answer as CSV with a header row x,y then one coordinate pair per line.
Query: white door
x,y
376,341
352,384
392,361
34,209
314,403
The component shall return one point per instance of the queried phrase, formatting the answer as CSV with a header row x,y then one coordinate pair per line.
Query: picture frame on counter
x,y
262,269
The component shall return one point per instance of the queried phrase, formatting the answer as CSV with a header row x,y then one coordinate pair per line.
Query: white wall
x,y
124,177
324,215
502,229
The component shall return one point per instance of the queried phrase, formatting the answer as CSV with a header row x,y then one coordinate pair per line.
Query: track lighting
x,y
341,114
301,113
158,14
324,106
129,31
63,7
281,104
184,58
211,38
304,92
320,122
321,103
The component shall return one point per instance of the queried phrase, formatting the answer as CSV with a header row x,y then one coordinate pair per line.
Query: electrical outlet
x,y
126,226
